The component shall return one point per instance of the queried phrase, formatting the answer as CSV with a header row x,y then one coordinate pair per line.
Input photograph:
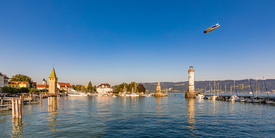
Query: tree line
x,y
82,88
129,87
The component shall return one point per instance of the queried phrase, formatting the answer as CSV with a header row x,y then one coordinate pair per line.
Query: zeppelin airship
x,y
212,28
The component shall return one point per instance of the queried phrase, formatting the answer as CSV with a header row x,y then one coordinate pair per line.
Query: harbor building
x,y
3,81
18,84
53,83
64,86
42,87
34,85
104,88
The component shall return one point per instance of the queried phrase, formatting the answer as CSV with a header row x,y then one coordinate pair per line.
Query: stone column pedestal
x,y
191,94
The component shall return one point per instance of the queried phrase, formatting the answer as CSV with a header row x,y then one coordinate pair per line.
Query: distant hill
x,y
223,85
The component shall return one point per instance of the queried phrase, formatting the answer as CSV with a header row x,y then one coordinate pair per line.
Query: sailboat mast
x,y
209,88
218,89
265,88
225,89
251,87
235,88
214,87
256,87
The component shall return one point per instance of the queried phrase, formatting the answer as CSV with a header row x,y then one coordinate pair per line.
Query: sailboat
x,y
249,100
234,97
123,93
241,99
256,99
214,97
268,101
133,94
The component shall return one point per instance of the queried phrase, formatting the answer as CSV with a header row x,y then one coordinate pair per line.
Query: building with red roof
x,y
18,84
64,86
104,88
42,86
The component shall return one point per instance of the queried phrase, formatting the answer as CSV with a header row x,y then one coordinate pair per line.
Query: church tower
x,y
191,86
53,83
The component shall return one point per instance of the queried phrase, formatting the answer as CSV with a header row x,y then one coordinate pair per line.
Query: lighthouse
x,y
191,86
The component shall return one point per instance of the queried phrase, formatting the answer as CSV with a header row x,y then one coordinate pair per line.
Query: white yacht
x,y
75,93
134,95
233,98
249,100
214,97
200,96
241,99
269,102
257,100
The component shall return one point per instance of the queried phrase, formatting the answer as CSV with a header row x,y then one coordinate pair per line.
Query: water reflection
x,y
191,115
52,107
17,128
158,105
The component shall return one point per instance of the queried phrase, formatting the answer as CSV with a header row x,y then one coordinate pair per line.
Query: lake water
x,y
172,116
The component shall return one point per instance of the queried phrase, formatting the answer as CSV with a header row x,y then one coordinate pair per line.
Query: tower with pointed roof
x,y
53,83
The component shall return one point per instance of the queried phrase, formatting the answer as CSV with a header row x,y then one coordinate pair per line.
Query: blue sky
x,y
143,41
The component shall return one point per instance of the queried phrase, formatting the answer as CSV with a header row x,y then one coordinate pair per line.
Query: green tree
x,y
132,85
94,89
24,90
90,87
17,90
21,77
141,88
14,90
73,86
116,89
119,88
79,88
7,90
34,90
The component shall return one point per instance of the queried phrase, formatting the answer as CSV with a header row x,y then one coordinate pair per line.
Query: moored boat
x,y
233,98
200,96
76,93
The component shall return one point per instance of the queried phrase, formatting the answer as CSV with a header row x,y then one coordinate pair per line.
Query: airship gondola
x,y
212,28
